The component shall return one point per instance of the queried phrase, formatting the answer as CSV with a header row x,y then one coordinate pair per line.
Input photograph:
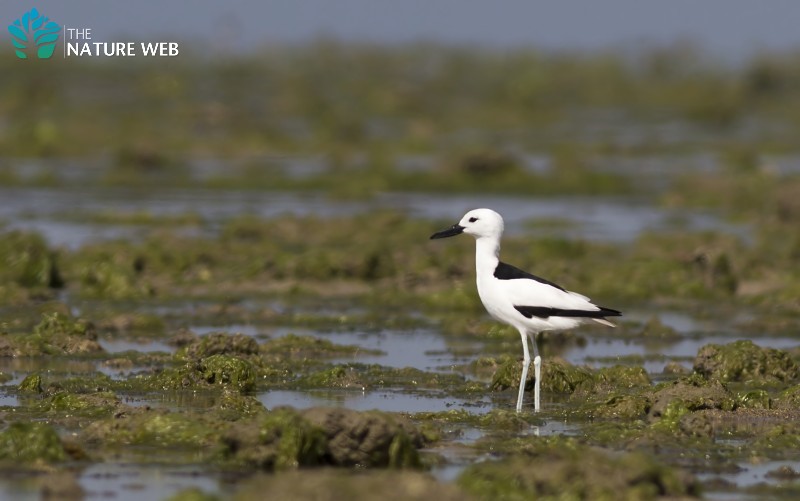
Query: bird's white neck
x,y
487,255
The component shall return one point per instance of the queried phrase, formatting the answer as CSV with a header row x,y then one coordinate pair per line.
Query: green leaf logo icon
x,y
34,30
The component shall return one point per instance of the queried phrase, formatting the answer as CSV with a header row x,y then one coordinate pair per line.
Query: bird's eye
x,y
473,219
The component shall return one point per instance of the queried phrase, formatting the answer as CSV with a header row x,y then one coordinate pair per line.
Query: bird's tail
x,y
604,322
607,312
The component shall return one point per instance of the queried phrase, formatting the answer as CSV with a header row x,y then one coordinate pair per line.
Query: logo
x,y
33,30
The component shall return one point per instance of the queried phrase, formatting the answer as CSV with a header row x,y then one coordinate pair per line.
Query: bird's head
x,y
478,223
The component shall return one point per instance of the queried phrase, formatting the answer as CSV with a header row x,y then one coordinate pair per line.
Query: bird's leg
x,y
537,371
526,362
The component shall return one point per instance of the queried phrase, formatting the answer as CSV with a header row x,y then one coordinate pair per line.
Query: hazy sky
x,y
731,28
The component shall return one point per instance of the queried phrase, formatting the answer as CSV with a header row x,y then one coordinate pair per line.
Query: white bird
x,y
529,303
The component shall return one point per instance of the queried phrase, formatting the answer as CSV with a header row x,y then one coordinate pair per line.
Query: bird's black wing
x,y
505,271
547,312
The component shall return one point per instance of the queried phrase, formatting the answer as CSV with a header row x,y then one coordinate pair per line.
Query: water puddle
x,y
21,367
134,482
420,349
750,475
171,400
656,353
247,330
121,482
424,350
458,453
121,346
383,400
9,400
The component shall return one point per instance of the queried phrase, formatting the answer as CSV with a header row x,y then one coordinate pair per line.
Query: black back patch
x,y
547,312
507,272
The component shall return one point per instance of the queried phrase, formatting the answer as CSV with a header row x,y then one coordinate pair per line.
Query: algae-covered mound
x,y
228,371
746,362
210,373
788,398
56,334
27,262
220,343
367,438
91,405
672,401
330,485
155,428
31,443
286,438
558,375
612,379
563,469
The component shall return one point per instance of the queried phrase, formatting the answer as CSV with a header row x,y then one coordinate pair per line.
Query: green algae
x,y
788,398
56,324
106,276
561,468
28,262
88,384
754,399
779,441
339,376
282,439
56,334
616,377
228,371
622,407
219,343
693,393
31,443
558,376
31,384
154,428
212,372
233,406
88,406
746,362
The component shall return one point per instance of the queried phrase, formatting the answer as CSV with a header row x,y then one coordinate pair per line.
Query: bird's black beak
x,y
449,232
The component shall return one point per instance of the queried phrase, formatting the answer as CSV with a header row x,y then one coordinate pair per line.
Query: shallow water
x,y
602,219
420,349
122,482
137,481
749,476
658,352
122,345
